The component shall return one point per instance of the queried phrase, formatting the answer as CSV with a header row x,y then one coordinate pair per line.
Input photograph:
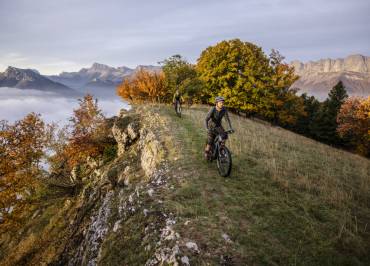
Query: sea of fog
x,y
16,103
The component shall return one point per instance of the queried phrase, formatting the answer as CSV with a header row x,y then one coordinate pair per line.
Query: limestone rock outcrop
x,y
319,77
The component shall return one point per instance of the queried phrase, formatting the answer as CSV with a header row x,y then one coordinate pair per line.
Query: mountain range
x,y
317,78
98,75
31,79
100,80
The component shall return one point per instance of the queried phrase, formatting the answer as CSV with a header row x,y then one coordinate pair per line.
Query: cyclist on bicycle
x,y
177,99
213,124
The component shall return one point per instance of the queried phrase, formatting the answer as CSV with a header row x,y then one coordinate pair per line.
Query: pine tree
x,y
305,122
325,124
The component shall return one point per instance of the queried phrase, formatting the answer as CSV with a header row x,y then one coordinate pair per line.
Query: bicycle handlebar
x,y
230,131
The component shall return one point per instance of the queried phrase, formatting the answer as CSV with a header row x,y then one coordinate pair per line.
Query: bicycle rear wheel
x,y
178,109
224,162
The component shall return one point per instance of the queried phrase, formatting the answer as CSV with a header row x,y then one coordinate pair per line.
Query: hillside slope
x,y
289,200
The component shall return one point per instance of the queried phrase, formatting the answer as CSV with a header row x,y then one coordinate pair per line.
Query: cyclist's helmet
x,y
219,99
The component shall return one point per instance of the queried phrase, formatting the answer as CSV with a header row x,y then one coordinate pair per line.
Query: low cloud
x,y
17,103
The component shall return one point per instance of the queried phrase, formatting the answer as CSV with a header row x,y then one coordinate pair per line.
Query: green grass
x,y
289,200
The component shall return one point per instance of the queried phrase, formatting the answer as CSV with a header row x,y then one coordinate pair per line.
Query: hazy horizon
x,y
116,66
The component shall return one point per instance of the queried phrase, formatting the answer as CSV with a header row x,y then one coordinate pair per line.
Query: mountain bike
x,y
222,154
178,108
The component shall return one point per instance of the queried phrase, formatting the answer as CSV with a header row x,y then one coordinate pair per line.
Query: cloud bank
x,y
16,103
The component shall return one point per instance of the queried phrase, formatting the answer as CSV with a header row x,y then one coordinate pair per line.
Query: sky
x,y
66,35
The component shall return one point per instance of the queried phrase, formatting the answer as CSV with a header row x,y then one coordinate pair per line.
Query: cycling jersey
x,y
215,117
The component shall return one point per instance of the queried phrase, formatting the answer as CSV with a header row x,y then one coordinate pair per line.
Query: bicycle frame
x,y
216,145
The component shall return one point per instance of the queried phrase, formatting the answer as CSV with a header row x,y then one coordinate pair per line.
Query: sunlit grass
x,y
289,200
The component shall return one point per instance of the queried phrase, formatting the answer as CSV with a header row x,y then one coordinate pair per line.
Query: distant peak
x,y
10,68
100,66
123,68
13,70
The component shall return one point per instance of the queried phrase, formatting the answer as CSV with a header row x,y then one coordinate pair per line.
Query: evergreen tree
x,y
325,124
305,122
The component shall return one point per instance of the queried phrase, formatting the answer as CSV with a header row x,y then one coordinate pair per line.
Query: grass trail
x,y
289,200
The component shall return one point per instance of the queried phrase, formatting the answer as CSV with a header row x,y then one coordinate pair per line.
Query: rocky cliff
x,y
352,63
115,214
318,77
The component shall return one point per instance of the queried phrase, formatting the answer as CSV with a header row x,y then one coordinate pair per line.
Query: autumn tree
x,y
283,75
237,70
87,125
144,86
250,81
180,74
354,123
176,69
57,156
193,90
282,105
22,148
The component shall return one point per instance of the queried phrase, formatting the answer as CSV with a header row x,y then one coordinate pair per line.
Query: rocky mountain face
x,y
31,79
319,77
116,216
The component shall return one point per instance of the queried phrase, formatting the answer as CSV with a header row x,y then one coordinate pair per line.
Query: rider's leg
x,y
208,147
210,139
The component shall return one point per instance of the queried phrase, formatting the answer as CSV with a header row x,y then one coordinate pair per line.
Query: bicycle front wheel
x,y
224,162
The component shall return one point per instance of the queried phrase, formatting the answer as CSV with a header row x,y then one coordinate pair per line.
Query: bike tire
x,y
178,110
224,169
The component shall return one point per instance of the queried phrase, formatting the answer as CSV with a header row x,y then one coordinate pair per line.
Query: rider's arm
x,y
228,120
208,117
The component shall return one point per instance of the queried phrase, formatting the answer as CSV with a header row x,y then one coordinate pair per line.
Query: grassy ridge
x,y
289,201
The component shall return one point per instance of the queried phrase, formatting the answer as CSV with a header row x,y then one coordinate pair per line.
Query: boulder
x,y
125,131
152,153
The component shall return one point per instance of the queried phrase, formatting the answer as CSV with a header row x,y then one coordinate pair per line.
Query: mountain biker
x,y
213,123
177,99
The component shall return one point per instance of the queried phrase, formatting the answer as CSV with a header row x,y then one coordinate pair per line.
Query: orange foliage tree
x,y
87,126
354,123
22,147
144,86
283,106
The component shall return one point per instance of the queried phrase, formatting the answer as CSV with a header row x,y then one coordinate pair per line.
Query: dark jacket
x,y
216,117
